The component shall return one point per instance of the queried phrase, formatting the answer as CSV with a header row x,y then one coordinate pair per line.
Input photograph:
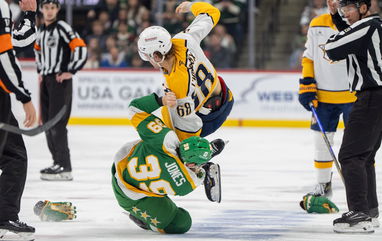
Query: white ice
x,y
265,172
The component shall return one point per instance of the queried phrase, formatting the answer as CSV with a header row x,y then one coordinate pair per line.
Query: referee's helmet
x,y
357,3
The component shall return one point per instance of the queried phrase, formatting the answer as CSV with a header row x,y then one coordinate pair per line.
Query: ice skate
x,y
374,214
217,146
212,184
56,173
21,231
322,189
353,222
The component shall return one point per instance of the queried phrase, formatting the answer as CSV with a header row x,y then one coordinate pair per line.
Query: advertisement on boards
x,y
107,93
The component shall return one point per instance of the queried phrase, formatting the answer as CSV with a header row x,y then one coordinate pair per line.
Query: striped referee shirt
x,y
23,35
360,44
59,49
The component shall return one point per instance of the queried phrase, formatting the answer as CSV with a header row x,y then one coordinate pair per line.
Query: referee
x,y
360,44
60,53
13,156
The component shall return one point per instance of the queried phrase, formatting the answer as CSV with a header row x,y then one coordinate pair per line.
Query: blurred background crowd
x,y
111,27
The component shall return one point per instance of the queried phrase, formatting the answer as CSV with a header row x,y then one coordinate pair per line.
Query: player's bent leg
x,y
158,214
180,224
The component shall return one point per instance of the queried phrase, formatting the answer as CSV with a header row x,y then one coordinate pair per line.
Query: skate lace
x,y
350,213
54,167
21,224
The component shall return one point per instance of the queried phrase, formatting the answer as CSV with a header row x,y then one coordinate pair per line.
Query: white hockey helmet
x,y
153,39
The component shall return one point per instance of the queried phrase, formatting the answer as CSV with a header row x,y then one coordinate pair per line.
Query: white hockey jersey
x,y
331,78
193,78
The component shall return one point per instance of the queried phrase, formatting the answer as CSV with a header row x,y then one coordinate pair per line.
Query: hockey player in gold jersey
x,y
203,99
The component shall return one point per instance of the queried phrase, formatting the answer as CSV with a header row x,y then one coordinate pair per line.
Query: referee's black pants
x,y
54,96
361,141
13,164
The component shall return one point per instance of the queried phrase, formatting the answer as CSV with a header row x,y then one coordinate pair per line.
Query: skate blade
x,y
6,235
64,176
215,192
375,222
359,228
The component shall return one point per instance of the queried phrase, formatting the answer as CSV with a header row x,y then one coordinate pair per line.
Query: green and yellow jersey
x,y
193,78
151,166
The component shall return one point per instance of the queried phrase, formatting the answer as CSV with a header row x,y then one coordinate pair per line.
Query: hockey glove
x,y
308,93
318,204
55,211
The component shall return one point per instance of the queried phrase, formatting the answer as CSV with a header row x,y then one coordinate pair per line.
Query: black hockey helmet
x,y
43,2
357,3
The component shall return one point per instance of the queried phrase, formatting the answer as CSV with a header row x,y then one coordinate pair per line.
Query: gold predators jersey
x,y
193,78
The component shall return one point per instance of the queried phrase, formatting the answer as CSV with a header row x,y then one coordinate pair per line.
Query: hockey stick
x,y
35,131
325,137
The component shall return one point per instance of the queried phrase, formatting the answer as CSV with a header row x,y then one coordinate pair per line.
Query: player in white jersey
x,y
203,99
326,86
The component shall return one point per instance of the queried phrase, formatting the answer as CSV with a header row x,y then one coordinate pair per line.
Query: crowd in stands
x,y
113,26
312,9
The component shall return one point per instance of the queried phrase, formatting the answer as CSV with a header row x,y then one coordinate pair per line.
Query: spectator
x,y
136,62
315,8
230,18
131,51
110,6
144,24
94,54
122,18
218,54
136,13
105,20
110,43
227,40
298,47
97,32
115,59
123,36
93,60
171,21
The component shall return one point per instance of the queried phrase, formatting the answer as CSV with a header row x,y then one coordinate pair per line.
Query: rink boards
x,y
101,97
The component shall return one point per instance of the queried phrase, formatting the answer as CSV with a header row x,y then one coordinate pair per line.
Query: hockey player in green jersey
x,y
146,171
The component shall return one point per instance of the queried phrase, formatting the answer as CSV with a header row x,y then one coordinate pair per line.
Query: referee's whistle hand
x,y
63,76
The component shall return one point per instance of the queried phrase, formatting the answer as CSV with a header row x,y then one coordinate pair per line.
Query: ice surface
x,y
265,172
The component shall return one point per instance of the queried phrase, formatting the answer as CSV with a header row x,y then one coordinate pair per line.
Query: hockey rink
x,y
265,173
